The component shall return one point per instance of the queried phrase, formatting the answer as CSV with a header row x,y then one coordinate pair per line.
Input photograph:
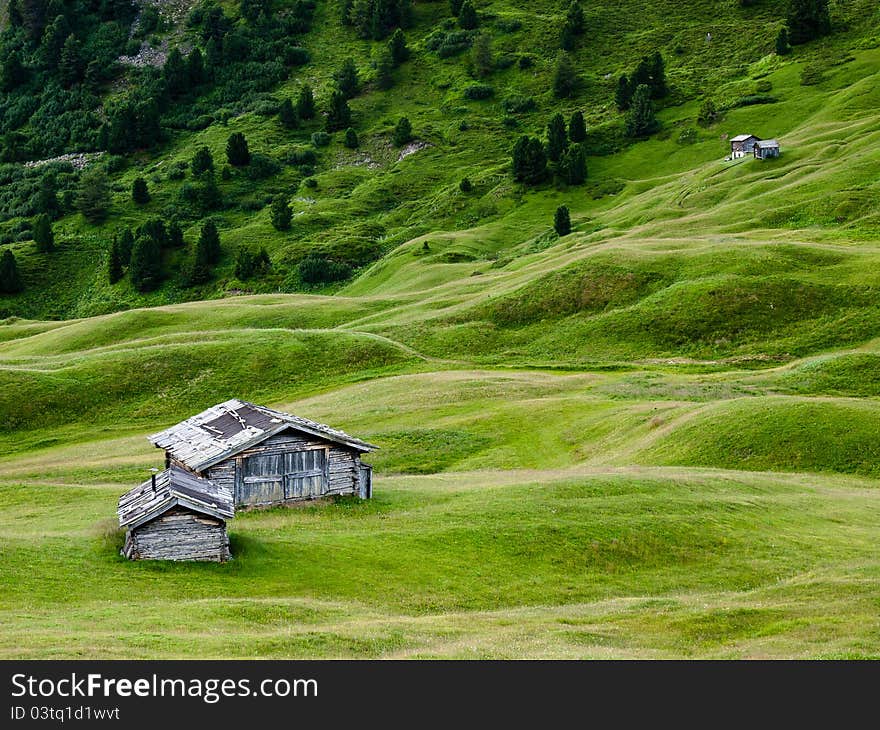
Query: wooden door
x,y
305,474
262,479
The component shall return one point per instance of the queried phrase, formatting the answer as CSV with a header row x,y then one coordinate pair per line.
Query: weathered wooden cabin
x,y
742,145
766,148
176,515
265,457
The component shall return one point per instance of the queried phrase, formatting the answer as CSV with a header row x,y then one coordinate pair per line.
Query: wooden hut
x,y
264,457
742,145
176,515
766,148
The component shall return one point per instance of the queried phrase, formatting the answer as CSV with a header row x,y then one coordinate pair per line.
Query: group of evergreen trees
x,y
564,150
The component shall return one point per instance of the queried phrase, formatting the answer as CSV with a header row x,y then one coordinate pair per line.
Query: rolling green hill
x,y
653,437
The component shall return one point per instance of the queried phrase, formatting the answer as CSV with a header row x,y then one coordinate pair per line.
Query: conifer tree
x,y
557,138
280,213
126,244
287,115
640,120
807,19
384,69
237,152
202,161
114,263
782,46
210,239
529,160
402,132
565,78
573,165
305,103
140,194
10,279
562,221
397,47
467,16
70,64
577,129
145,267
347,78
623,94
338,112
43,234
482,55
93,194
351,139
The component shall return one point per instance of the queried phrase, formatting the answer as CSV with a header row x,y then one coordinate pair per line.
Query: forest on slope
x,y
162,152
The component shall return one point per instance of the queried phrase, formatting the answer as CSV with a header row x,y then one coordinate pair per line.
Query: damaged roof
x,y
174,487
223,430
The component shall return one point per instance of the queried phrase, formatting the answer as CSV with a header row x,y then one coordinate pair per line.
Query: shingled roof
x,y
174,487
227,428
743,137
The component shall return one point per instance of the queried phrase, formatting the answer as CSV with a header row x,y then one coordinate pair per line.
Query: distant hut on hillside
x,y
176,515
742,145
766,148
263,457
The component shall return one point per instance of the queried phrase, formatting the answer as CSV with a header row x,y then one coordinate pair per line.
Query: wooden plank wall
x,y
179,534
342,466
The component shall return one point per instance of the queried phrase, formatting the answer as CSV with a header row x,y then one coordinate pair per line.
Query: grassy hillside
x,y
654,437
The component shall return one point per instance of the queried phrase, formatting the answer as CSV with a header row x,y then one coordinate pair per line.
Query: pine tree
x,y
237,150
53,41
567,37
623,94
244,263
402,132
175,235
575,17
347,78
70,63
562,221
196,67
93,195
573,165
529,160
126,244
202,161
467,16
280,213
640,120
145,267
557,138
208,193
808,19
287,115
10,279
114,263
782,46
46,200
43,234
201,264
455,6
12,73
351,139
338,113
577,129
482,55
658,76
565,78
210,239
384,69
305,103
176,74
140,194
397,47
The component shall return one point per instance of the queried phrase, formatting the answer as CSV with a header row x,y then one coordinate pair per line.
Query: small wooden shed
x,y
265,457
766,148
176,515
